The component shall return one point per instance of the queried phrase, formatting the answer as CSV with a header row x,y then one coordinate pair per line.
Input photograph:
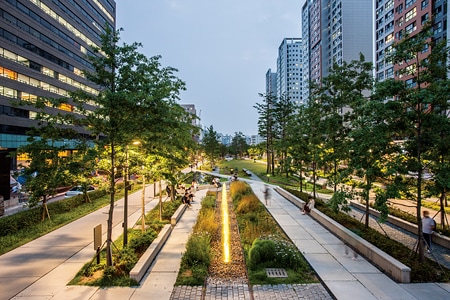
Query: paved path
x,y
439,254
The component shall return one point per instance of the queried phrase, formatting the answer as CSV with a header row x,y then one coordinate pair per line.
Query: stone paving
x,y
256,292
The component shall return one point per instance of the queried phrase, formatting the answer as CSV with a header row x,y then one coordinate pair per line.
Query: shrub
x,y
262,251
247,204
125,261
206,222
198,250
140,243
239,189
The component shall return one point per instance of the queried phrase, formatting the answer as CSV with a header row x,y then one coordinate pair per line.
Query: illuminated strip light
x,y
225,225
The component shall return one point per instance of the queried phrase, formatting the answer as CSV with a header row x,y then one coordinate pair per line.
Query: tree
x,y
266,128
314,135
283,110
422,92
48,169
131,103
211,146
238,145
297,141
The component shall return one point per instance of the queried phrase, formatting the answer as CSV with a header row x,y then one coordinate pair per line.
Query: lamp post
x,y
143,200
125,209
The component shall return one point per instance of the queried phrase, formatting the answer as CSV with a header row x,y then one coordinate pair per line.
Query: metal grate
x,y
276,273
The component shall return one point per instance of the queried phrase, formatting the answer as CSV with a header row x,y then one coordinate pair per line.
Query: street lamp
x,y
125,209
143,199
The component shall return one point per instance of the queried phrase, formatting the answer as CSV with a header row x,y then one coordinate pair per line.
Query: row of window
x,y
44,54
46,71
41,84
15,94
29,29
59,19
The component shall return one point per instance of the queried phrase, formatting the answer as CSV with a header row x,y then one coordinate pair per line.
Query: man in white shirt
x,y
428,227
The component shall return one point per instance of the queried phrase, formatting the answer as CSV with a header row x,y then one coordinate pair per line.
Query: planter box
x,y
141,267
178,213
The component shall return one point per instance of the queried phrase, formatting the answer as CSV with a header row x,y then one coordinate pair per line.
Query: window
x,y
409,3
437,28
424,18
389,38
424,4
390,72
410,14
410,28
410,83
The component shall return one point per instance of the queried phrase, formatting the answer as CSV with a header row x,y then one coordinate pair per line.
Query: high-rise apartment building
x,y
43,48
289,69
395,18
271,83
336,31
305,52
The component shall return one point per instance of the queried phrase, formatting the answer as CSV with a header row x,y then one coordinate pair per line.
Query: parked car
x,y
78,190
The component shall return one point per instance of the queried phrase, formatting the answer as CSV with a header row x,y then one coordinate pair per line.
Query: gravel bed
x,y
234,272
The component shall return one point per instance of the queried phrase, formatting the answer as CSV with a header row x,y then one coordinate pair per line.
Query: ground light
x,y
225,225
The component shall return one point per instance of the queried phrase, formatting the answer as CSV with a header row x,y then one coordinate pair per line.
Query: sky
x,y
222,50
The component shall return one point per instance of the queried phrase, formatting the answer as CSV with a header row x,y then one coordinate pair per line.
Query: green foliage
x,y
141,242
262,251
124,261
211,145
264,242
247,204
198,249
239,189
197,257
339,201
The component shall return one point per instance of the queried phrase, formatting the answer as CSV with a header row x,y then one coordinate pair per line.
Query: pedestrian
x,y
266,193
186,199
428,227
168,191
309,206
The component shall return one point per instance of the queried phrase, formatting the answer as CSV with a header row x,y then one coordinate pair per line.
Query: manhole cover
x,y
276,273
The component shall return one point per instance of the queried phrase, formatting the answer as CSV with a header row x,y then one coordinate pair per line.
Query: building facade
x,y
396,18
43,48
289,69
271,83
337,31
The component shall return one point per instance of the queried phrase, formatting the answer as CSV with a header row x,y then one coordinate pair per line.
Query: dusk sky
x,y
221,48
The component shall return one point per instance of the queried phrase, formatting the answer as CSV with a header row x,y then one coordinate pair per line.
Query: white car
x,y
77,190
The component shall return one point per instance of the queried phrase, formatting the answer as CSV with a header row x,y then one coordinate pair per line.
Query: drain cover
x,y
276,273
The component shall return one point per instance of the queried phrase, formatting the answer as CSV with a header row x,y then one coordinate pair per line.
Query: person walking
x,y
428,227
266,193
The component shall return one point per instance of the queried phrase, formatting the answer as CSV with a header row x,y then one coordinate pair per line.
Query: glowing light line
x,y
225,225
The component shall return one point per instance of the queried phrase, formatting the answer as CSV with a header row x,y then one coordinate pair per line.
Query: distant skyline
x,y
222,50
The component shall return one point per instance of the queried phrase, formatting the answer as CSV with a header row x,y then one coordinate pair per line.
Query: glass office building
x,y
43,48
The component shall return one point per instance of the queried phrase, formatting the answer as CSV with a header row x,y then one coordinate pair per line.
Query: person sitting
x,y
186,199
309,206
